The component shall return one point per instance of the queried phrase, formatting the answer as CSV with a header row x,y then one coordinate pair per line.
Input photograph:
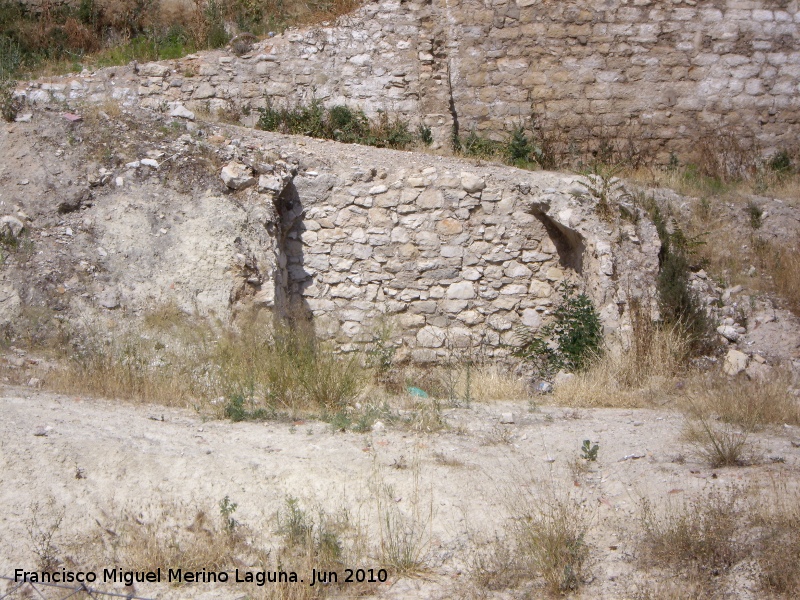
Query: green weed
x,y
226,510
589,451
341,123
571,341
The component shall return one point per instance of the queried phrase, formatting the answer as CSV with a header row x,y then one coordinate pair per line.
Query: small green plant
x,y
341,123
520,148
382,349
755,213
10,60
236,411
226,510
294,524
318,538
781,162
480,147
571,341
607,189
425,134
9,105
589,451
678,304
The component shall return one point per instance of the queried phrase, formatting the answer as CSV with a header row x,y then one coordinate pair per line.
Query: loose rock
x,y
735,362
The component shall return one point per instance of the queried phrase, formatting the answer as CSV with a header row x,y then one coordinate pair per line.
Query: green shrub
x,y
519,148
781,162
570,341
480,147
425,134
340,123
755,213
10,60
678,304
9,106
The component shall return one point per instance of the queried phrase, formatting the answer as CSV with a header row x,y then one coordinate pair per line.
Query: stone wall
x,y
660,73
451,254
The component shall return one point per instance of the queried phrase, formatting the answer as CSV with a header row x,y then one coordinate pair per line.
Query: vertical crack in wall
x,y
290,277
452,107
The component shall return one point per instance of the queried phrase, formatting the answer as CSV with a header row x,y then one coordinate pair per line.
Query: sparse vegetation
x,y
701,537
404,537
10,59
720,444
608,191
705,539
261,369
642,374
678,304
341,123
550,539
755,213
781,262
97,33
741,401
43,528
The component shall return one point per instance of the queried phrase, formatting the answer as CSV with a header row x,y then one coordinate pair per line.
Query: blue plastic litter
x,y
415,391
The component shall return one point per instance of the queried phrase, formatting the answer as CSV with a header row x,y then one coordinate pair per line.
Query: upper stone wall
x,y
657,72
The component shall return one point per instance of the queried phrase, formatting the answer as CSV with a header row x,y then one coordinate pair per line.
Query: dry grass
x,y
488,382
782,265
545,539
551,538
258,368
404,533
641,376
155,536
544,544
778,544
723,210
173,534
740,401
688,181
720,444
723,413
705,539
701,537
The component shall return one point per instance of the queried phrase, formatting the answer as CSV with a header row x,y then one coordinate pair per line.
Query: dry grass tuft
x,y
782,264
545,543
405,533
740,401
720,444
175,534
549,538
552,538
778,543
700,538
705,539
494,566
172,534
257,367
640,376
487,382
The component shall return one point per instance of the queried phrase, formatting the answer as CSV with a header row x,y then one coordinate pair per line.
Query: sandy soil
x,y
92,458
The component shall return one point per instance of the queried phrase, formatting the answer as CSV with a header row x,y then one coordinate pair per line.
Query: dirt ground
x,y
91,459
